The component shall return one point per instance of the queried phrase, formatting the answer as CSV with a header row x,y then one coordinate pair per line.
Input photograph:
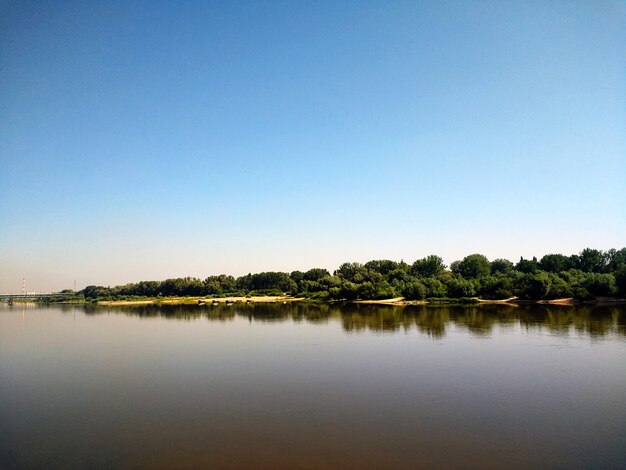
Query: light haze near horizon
x,y
147,140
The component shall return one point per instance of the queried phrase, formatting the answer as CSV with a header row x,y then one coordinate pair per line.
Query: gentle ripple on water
x,y
312,386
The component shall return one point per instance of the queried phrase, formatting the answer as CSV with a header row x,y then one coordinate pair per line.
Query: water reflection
x,y
590,320
312,386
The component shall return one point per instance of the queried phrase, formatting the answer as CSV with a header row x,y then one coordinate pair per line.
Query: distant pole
x,y
23,286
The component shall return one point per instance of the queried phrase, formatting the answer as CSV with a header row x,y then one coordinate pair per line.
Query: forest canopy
x,y
590,274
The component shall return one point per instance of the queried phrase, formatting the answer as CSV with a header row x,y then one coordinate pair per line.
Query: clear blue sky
x,y
146,140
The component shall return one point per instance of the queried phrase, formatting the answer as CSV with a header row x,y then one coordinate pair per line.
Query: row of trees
x,y
592,273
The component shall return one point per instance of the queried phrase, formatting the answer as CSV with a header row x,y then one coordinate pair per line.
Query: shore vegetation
x,y
589,275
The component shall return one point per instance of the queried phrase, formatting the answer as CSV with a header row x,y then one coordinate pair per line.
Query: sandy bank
x,y
125,302
566,301
207,300
394,301
254,299
509,301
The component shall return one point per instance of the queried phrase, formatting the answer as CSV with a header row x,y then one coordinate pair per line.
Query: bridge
x,y
34,296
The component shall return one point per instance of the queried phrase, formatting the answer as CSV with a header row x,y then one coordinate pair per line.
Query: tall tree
x,y
381,266
528,266
615,259
501,266
315,274
429,266
556,263
472,266
592,261
353,272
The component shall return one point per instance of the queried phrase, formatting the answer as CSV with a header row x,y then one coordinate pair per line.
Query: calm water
x,y
296,386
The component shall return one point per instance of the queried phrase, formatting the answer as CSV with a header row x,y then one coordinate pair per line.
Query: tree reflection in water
x,y
434,321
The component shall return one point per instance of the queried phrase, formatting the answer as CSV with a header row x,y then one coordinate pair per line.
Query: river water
x,y
312,386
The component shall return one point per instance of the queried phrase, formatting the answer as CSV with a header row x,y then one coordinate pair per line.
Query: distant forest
x,y
585,276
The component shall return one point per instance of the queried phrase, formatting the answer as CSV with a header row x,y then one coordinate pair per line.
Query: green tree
x,y
497,287
457,287
527,266
555,263
600,285
534,286
615,259
434,287
366,291
348,290
273,281
592,261
384,290
414,290
401,275
212,286
353,272
472,266
559,289
315,274
382,266
244,283
428,267
218,285
620,280
330,281
501,265
95,292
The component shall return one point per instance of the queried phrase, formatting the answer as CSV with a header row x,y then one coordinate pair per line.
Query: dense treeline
x,y
590,274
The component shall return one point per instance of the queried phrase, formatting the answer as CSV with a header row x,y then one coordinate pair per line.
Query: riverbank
x,y
396,301
203,300
511,301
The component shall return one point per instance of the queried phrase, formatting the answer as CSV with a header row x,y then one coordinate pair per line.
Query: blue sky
x,y
146,140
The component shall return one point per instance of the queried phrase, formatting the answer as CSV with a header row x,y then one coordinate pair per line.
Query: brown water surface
x,y
312,386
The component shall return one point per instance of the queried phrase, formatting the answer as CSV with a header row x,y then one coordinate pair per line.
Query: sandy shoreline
x,y
398,301
394,301
205,300
517,301
567,301
511,301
